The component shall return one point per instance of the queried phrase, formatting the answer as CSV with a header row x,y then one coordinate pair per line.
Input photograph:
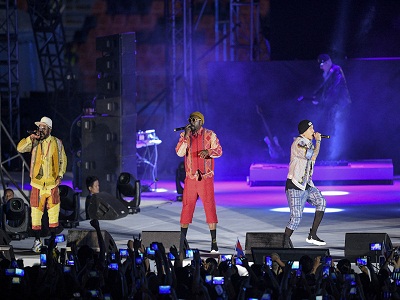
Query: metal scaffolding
x,y
179,56
245,26
9,78
48,30
9,91
242,31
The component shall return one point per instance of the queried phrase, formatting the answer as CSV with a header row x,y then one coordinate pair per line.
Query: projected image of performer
x,y
199,146
332,99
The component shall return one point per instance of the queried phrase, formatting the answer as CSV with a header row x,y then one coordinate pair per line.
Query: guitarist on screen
x,y
333,101
274,148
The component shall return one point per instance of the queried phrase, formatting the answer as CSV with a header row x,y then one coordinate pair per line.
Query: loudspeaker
x,y
103,206
266,239
167,238
108,149
114,107
4,238
109,139
287,253
116,69
7,251
89,237
358,244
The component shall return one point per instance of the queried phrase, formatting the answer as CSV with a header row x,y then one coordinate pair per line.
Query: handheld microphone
x,y
323,136
180,128
31,132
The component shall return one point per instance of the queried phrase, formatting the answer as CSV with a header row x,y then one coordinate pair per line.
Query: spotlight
x,y
180,180
69,207
129,192
16,218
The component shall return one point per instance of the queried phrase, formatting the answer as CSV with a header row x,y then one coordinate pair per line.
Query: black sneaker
x,y
214,248
314,239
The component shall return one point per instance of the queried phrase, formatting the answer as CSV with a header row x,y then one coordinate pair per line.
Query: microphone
x,y
180,128
31,132
323,136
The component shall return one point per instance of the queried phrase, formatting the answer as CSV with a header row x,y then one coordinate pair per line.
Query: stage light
x,y
129,192
69,207
179,180
16,218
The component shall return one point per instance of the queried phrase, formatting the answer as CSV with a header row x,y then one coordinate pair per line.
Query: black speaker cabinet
x,y
116,69
108,149
117,43
167,238
266,239
7,251
358,244
89,237
104,206
115,107
286,254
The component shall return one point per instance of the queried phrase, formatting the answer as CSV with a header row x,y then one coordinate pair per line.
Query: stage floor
x,y
242,208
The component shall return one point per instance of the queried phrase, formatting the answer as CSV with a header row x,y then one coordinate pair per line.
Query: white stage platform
x,y
377,171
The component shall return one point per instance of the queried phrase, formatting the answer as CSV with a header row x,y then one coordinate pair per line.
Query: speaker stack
x,y
109,137
266,239
167,238
358,244
260,244
89,238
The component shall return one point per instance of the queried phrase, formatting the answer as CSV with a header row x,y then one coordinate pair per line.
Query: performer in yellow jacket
x,y
48,166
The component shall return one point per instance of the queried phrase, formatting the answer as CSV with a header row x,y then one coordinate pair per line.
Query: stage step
x,y
377,171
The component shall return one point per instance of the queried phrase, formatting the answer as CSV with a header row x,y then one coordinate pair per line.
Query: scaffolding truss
x,y
9,77
48,30
9,89
245,27
241,30
179,56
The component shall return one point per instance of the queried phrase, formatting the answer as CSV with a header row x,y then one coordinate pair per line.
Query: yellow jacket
x,y
48,161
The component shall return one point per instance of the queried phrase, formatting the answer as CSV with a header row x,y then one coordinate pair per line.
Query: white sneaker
x,y
37,245
315,240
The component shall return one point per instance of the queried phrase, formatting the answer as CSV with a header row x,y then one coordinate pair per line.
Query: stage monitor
x,y
7,251
286,254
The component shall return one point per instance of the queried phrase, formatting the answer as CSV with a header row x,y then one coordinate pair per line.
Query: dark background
x,y
301,29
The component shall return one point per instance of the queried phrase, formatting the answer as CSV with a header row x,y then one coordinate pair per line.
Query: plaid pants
x,y
298,198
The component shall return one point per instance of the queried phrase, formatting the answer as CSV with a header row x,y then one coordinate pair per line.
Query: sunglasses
x,y
192,120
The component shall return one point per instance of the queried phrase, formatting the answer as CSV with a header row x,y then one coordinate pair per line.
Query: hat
x,y
303,126
198,115
323,58
45,121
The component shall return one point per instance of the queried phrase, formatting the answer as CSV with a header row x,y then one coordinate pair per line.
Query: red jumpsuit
x,y
199,181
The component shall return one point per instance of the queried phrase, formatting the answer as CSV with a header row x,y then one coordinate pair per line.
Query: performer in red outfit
x,y
199,146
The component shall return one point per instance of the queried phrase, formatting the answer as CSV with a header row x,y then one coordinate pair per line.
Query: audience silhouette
x,y
150,272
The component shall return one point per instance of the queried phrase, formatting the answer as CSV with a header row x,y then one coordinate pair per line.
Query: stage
x,y
243,209
376,171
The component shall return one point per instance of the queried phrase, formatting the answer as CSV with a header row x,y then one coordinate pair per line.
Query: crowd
x,y
153,272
